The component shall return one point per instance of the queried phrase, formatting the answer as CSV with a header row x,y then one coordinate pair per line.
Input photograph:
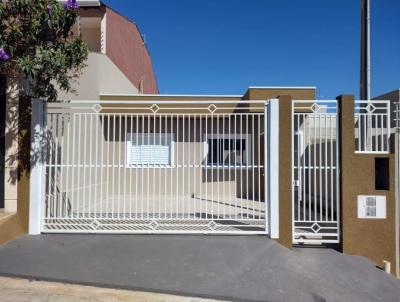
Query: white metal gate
x,y
315,177
165,167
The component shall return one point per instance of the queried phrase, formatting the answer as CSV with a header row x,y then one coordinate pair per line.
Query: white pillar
x,y
37,175
273,168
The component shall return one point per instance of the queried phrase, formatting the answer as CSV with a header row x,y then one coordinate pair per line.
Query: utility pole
x,y
365,64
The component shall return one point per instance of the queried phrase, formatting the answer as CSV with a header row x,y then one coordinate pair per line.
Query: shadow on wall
x,y
18,157
17,140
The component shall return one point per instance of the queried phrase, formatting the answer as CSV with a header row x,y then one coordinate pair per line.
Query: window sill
x,y
237,167
149,166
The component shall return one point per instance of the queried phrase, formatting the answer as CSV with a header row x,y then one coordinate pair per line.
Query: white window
x,y
144,150
227,150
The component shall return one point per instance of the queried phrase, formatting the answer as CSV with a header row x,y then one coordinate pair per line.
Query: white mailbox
x,y
371,206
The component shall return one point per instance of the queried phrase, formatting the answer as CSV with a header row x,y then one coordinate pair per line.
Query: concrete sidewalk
x,y
238,268
22,290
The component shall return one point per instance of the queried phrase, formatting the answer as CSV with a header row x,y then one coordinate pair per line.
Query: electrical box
x,y
371,206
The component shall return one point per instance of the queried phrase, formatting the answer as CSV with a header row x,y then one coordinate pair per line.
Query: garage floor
x,y
240,268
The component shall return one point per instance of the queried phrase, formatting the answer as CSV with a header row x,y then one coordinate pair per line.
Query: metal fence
x,y
165,167
315,177
372,126
396,113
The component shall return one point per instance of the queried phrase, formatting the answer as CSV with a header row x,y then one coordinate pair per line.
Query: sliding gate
x,y
315,175
165,167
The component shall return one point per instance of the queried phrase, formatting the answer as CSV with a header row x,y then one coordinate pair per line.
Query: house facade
x,y
119,158
274,161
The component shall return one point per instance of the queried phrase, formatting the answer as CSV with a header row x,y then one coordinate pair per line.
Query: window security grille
x,y
151,149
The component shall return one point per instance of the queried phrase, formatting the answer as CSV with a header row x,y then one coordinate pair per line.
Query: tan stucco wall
x,y
17,158
285,170
10,228
92,36
11,145
100,76
372,238
273,93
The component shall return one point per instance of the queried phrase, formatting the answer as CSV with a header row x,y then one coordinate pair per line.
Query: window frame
x,y
248,151
128,146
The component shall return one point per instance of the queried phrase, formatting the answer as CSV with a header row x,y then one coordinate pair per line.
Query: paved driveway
x,y
232,268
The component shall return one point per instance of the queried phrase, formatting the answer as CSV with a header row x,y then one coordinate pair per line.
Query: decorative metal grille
x,y
372,126
92,185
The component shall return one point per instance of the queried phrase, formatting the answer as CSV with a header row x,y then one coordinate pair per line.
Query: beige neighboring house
x,y
109,70
119,61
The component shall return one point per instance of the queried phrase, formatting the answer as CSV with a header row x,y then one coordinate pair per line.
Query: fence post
x,y
37,163
397,186
273,167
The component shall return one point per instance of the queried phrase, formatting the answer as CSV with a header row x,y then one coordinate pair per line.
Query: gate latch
x,y
295,183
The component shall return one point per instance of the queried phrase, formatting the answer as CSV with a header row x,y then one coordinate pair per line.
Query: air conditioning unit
x,y
371,206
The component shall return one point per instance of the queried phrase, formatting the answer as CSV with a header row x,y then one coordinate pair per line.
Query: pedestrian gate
x,y
315,172
164,167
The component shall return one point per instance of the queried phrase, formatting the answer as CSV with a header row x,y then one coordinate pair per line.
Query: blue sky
x,y
224,46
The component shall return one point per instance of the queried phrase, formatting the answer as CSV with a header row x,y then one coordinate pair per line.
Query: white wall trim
x,y
171,95
273,167
37,175
103,33
283,87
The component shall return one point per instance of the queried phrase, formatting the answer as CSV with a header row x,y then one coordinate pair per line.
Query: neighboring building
x,y
119,61
394,98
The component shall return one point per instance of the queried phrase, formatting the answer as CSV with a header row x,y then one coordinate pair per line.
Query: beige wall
x,y
17,163
92,36
100,144
11,145
100,76
255,93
